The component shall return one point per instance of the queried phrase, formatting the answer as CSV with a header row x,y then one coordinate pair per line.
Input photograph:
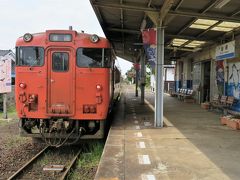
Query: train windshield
x,y
93,57
29,56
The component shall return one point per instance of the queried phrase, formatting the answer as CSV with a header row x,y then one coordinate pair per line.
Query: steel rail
x,y
26,165
70,167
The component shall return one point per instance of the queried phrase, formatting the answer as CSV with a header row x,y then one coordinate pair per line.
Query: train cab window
x,y
60,62
93,57
29,56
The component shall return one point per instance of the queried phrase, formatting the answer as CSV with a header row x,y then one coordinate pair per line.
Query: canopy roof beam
x,y
185,13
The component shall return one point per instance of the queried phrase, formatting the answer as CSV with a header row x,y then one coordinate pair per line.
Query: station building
x,y
213,70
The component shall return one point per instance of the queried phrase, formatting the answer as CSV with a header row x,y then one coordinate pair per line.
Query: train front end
x,y
64,85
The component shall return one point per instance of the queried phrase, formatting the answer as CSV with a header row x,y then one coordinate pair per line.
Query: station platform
x,y
192,145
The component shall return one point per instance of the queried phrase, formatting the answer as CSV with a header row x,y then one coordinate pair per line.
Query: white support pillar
x,y
159,78
142,77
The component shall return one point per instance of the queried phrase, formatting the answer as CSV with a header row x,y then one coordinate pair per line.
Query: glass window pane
x,y
60,37
107,57
30,56
89,57
60,62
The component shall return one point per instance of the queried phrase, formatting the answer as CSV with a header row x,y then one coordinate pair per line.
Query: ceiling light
x,y
224,29
178,42
198,26
229,24
207,22
222,3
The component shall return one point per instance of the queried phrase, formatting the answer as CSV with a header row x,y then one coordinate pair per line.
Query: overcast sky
x,y
18,17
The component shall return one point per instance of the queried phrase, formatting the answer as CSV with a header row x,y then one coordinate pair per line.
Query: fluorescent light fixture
x,y
194,44
190,46
203,23
222,3
178,42
198,26
223,29
229,24
224,26
207,22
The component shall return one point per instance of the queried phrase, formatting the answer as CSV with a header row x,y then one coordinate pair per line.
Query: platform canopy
x,y
190,25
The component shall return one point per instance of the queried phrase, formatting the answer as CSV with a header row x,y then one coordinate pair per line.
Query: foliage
x,y
88,162
131,74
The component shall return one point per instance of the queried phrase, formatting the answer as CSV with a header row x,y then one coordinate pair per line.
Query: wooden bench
x,y
215,101
230,101
224,103
218,102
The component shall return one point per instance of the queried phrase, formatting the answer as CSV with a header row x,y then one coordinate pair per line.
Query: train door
x,y
61,81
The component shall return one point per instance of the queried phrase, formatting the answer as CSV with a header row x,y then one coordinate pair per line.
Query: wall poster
x,y
233,85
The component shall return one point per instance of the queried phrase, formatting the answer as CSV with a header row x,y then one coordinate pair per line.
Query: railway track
x,y
49,163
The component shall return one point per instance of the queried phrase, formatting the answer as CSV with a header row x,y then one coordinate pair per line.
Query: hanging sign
x,y
136,66
225,51
5,75
149,44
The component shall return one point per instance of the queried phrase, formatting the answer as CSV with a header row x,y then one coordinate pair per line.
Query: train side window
x,y
93,57
29,56
60,62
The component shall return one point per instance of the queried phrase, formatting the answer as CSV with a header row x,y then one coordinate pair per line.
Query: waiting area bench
x,y
222,102
186,95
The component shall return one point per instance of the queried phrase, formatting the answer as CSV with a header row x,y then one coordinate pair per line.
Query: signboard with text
x,y
225,51
5,75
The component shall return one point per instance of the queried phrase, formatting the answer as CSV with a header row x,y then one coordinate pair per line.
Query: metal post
x,y
159,78
142,78
136,81
5,106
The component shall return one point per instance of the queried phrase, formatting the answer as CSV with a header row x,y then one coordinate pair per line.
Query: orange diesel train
x,y
66,83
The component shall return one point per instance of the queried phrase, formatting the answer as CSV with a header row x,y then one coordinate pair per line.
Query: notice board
x,y
5,75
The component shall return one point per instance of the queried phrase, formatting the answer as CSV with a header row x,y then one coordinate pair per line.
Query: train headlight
x,y
27,37
99,87
94,38
22,85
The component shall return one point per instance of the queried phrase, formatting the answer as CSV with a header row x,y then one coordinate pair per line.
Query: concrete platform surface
x,y
195,146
